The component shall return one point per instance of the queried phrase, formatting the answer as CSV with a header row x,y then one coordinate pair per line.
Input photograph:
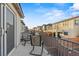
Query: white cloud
x,y
48,14
75,6
54,15
74,10
57,15
75,14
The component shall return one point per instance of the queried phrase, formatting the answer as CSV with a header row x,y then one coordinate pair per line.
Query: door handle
x,y
0,31
5,31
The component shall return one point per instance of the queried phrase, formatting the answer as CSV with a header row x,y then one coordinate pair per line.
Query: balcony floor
x,y
25,50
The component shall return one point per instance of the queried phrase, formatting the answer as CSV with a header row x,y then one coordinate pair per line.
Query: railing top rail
x,y
67,39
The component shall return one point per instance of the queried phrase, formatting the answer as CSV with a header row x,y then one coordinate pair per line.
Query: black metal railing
x,y
61,47
69,48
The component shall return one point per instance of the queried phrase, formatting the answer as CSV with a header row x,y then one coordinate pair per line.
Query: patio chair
x,y
36,42
25,37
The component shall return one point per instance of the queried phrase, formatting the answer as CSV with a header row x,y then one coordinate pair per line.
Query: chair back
x,y
36,40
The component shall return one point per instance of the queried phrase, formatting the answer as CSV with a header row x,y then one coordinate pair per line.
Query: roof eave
x,y
18,9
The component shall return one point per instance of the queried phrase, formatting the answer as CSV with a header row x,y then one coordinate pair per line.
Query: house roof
x,y
66,19
18,8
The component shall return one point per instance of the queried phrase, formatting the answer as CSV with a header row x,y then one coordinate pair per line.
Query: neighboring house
x,y
35,29
39,28
44,27
49,28
10,16
67,27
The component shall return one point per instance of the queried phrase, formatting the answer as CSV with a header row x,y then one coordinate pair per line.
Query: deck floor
x,y
25,50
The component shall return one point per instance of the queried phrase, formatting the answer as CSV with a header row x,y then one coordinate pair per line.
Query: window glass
x,y
77,21
65,33
0,29
10,30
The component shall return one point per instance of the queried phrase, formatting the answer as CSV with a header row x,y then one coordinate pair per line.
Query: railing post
x,y
63,47
72,48
60,47
67,47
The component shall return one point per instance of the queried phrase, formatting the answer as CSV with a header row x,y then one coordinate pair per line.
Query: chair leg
x,y
24,42
42,50
36,54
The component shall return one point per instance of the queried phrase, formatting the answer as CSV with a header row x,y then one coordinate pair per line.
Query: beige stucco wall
x,y
67,26
76,28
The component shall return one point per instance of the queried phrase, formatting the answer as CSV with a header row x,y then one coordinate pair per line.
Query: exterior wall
x,y
11,28
76,28
18,30
67,26
48,28
22,26
54,28
44,28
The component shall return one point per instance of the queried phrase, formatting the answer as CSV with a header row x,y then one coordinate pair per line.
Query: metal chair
x,y
25,37
36,42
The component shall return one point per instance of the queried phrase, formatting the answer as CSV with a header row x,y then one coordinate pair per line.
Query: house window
x,y
77,22
65,33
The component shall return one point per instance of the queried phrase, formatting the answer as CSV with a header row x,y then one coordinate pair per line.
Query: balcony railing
x,y
61,47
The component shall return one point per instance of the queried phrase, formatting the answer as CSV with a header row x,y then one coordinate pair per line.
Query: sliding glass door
x,y
7,18
0,29
9,30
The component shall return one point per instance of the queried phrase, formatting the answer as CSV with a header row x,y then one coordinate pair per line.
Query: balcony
x,y
52,47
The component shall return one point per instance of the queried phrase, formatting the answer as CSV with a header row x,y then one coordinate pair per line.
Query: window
x,y
65,33
77,22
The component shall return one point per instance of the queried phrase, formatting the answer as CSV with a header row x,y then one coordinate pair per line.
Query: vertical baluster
x,y
67,47
72,48
63,47
59,47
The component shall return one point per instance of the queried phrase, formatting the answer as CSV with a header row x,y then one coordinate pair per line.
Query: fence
x,y
61,47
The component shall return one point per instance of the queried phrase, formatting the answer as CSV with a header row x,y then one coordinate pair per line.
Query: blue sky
x,y
37,14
